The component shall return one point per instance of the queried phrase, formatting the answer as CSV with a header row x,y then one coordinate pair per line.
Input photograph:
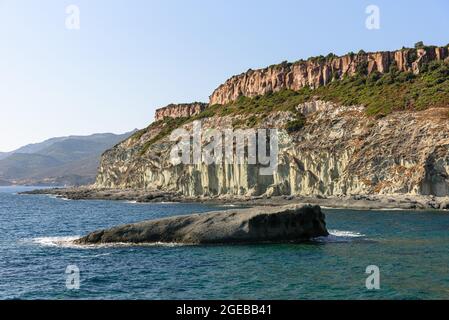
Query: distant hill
x,y
3,155
69,160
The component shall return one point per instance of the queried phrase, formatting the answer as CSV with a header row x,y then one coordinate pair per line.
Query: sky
x,y
130,57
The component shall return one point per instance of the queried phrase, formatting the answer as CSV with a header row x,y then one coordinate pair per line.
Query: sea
x,y
390,254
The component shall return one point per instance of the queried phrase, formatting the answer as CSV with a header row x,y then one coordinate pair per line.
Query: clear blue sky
x,y
130,57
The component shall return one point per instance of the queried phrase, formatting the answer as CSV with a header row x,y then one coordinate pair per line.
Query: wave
x,y
57,197
348,234
62,242
336,236
149,203
68,242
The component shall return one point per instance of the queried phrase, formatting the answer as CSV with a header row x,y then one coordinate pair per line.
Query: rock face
x,y
320,71
255,225
180,110
340,151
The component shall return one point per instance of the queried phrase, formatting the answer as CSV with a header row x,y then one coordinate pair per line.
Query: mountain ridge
x,y
69,160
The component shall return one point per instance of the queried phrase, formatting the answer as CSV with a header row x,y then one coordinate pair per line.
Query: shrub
x,y
381,94
374,77
405,76
295,125
362,68
330,56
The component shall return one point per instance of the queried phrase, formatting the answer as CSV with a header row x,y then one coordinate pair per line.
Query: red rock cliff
x,y
320,71
180,110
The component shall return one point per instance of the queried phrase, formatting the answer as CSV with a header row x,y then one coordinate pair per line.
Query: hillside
x,y
3,155
69,160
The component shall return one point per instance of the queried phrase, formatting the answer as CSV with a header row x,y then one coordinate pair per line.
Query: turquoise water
x,y
410,248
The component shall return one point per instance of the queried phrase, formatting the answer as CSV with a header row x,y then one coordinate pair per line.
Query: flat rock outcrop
x,y
254,225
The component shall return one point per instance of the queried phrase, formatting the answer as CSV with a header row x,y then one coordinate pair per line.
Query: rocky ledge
x,y
254,225
180,110
358,202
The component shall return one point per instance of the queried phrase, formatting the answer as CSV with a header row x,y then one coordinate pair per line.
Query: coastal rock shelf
x,y
254,225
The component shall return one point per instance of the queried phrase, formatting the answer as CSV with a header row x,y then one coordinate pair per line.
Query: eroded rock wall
x,y
316,72
183,110
340,151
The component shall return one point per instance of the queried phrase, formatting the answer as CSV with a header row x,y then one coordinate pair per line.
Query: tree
x,y
419,45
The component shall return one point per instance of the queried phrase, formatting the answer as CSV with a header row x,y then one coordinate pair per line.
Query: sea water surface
x,y
411,250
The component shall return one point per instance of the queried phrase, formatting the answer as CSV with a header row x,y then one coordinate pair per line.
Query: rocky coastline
x,y
357,202
332,149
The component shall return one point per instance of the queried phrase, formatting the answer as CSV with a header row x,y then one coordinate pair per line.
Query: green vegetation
x,y
284,100
381,94
168,125
139,134
296,125
419,45
393,91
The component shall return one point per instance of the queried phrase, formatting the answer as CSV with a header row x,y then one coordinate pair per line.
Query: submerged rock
x,y
254,225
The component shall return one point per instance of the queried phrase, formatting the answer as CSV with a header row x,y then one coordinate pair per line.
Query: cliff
x,y
180,110
367,134
320,71
339,151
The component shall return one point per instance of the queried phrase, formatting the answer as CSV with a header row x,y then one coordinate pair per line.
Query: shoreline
x,y
353,202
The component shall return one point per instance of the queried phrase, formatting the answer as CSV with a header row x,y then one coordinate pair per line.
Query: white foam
x,y
57,197
101,255
68,242
149,203
64,242
340,236
348,234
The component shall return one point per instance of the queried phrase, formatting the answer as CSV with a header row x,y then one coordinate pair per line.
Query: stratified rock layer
x,y
339,151
320,71
255,225
180,110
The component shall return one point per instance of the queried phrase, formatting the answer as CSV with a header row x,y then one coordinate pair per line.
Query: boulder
x,y
444,205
